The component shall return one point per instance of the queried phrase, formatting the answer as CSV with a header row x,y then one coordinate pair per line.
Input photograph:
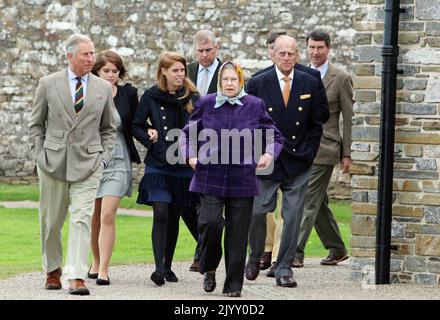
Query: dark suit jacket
x,y
300,123
126,102
193,69
325,113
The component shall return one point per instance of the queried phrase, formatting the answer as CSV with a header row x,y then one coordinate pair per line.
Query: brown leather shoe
x,y
194,266
78,287
265,260
333,260
252,270
53,280
298,263
286,281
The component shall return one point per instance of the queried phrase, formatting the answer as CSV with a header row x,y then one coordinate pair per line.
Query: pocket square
x,y
304,96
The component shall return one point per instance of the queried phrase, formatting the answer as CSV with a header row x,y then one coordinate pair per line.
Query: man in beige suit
x,y
71,136
332,150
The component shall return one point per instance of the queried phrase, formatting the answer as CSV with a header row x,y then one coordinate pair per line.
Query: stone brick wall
x,y
32,34
416,207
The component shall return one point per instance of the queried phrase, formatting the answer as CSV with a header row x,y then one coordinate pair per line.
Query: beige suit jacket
x,y
66,146
339,89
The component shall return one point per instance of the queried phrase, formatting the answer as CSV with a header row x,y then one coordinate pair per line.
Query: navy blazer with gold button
x,y
300,123
325,113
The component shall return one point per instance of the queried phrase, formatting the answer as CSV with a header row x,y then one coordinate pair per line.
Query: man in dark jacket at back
x,y
204,71
204,74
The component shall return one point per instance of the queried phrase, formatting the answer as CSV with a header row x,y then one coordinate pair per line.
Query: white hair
x,y
74,40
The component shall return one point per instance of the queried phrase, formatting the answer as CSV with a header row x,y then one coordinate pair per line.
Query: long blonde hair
x,y
166,59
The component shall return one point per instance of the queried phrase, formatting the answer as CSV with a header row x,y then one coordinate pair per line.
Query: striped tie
x,y
79,97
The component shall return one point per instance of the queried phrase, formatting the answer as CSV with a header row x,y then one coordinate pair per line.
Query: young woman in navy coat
x,y
166,105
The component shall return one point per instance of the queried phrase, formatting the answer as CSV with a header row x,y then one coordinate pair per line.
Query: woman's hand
x,y
152,133
265,161
192,162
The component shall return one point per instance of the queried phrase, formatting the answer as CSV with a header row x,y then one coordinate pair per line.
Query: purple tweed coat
x,y
226,178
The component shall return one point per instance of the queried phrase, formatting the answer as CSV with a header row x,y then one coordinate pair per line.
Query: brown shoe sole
x,y
286,285
80,291
334,262
53,286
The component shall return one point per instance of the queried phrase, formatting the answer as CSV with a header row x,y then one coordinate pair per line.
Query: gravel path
x,y
131,282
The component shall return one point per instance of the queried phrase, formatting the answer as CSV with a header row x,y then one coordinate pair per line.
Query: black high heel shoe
x,y
103,282
158,278
92,275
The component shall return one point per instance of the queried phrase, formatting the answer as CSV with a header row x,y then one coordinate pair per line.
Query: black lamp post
x,y
390,52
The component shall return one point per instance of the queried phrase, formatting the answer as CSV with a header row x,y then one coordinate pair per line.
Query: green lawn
x,y
10,192
20,242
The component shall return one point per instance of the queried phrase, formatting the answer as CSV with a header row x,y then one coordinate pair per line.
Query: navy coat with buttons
x,y
162,117
300,123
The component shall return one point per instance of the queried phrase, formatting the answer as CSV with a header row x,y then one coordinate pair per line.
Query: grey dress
x,y
117,177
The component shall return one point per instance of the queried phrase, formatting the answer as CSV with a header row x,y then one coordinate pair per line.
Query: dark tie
x,y
79,96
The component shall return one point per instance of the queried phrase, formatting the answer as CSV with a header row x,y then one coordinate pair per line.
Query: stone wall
x,y
416,211
32,34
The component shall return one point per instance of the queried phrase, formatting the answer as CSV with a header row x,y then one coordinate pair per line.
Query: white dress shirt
x,y
280,77
200,73
322,68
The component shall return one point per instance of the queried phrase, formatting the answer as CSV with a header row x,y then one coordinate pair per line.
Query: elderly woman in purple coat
x,y
229,138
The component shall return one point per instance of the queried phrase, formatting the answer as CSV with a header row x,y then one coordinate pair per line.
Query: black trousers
x,y
236,221
190,216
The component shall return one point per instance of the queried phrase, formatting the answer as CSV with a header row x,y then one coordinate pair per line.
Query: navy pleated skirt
x,y
167,184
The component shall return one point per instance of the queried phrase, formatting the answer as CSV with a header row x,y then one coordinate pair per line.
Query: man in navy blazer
x,y
275,224
325,113
293,101
273,35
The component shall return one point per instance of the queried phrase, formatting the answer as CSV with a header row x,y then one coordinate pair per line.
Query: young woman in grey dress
x,y
117,176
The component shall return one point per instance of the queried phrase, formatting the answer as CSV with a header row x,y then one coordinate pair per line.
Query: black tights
x,y
164,234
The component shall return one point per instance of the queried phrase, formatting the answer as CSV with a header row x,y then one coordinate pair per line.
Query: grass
x,y
342,213
13,192
20,241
